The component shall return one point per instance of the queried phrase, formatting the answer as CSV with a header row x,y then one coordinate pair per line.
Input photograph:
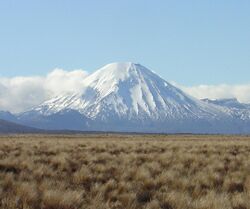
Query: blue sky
x,y
190,42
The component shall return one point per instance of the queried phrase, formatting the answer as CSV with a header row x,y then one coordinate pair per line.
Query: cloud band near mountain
x,y
21,93
18,94
240,92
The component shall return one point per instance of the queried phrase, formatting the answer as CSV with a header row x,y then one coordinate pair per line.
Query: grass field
x,y
124,172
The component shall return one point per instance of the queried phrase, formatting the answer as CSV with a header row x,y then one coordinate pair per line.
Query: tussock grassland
x,y
124,172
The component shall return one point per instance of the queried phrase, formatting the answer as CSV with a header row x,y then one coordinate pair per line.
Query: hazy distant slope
x,y
10,127
5,115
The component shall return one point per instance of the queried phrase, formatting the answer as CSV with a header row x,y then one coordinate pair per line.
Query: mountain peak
x,y
114,73
122,67
121,64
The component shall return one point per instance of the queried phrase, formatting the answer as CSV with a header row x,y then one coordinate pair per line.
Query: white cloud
x,y
21,93
60,81
241,92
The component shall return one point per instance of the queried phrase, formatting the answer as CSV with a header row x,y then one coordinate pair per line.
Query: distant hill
x,y
7,127
6,115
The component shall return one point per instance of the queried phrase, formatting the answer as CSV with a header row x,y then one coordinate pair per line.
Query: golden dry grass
x,y
124,172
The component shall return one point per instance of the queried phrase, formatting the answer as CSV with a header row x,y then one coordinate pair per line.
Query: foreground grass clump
x,y
128,172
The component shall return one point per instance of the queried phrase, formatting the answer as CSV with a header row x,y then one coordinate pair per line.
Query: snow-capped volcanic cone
x,y
129,90
130,97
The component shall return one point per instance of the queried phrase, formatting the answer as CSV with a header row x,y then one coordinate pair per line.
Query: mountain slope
x,y
129,97
5,115
7,127
237,109
66,119
229,103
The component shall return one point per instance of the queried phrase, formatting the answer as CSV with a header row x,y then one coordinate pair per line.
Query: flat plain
x,y
124,172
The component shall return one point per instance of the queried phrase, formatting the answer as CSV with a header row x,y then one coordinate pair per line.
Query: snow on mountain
x,y
130,97
237,109
129,90
229,103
